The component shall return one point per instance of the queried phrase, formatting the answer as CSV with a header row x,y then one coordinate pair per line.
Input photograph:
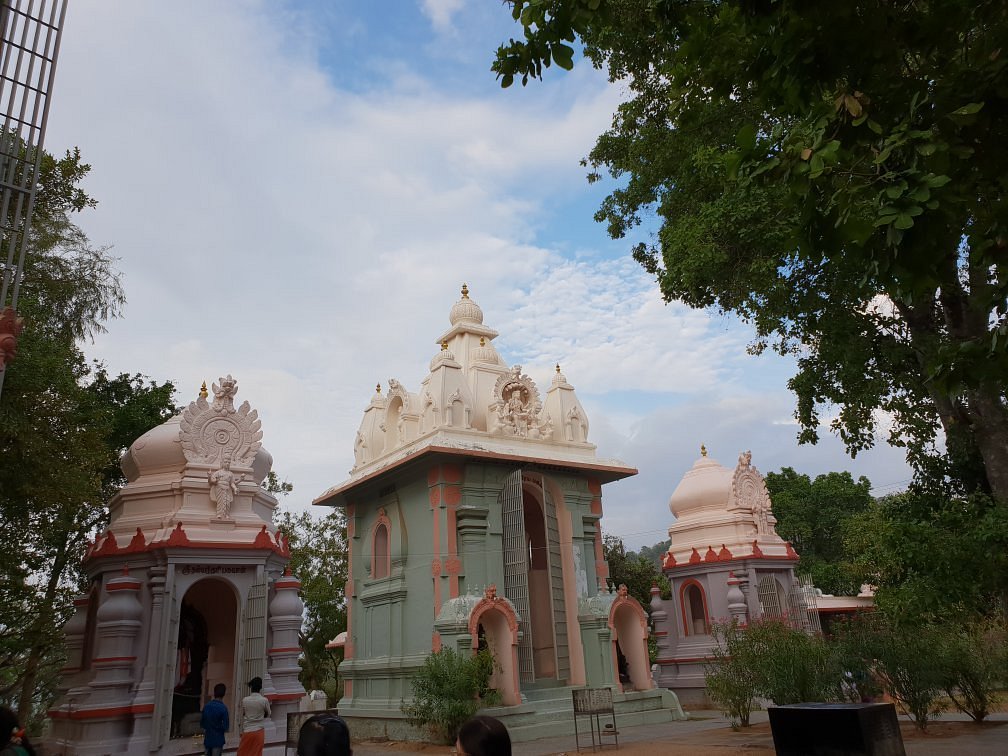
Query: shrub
x,y
730,673
910,661
448,689
791,665
975,665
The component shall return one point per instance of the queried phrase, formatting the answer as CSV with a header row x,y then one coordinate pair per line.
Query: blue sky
x,y
297,190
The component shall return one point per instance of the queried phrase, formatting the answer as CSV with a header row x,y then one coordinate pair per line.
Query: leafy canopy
x,y
835,175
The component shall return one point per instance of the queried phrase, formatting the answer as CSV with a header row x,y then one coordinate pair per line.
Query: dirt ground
x,y
751,741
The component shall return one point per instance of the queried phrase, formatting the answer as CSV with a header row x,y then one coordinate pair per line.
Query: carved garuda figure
x,y
211,432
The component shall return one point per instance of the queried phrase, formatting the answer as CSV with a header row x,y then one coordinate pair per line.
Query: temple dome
x,y
159,451
706,486
465,310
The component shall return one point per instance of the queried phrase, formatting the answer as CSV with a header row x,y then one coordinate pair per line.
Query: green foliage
x,y
977,665
731,672
814,517
791,665
933,556
448,689
63,425
638,573
910,661
318,548
770,659
832,174
654,553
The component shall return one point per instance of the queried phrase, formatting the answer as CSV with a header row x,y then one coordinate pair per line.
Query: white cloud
x,y
440,12
310,240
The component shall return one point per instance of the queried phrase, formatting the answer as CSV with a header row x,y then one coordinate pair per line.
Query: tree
x,y
638,573
319,560
63,425
932,556
813,516
833,175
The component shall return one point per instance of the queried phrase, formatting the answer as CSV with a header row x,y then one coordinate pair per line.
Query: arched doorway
x,y
629,625
496,635
533,577
208,621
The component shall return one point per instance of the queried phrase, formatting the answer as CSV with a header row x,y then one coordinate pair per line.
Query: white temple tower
x,y
725,562
187,590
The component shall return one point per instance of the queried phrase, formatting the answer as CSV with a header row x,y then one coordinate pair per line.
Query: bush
x,y
793,666
730,673
910,661
976,662
448,689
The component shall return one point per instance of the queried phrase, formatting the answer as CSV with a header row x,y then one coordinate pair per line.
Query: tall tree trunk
x,y
38,635
990,424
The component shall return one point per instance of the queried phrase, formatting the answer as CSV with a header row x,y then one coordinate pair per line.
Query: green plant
x,y
791,665
911,661
730,675
448,689
975,664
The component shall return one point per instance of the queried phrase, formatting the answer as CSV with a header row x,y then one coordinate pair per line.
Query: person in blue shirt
x,y
215,722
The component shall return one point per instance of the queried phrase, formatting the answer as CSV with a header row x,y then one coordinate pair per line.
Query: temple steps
x,y
548,712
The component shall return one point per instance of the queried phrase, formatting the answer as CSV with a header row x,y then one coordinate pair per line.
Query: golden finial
x,y
465,292
558,368
203,392
482,341
377,388
444,346
703,450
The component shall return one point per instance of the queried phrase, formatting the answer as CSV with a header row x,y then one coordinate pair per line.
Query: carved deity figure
x,y
224,395
223,489
516,414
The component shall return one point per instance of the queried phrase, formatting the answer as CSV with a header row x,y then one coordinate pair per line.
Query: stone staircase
x,y
547,711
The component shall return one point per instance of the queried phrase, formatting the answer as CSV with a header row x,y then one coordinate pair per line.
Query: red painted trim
x,y
711,555
124,586
285,696
283,650
113,659
112,711
613,472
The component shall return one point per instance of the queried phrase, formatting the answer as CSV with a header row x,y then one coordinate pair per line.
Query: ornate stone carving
x,y
223,488
211,432
516,407
749,493
490,592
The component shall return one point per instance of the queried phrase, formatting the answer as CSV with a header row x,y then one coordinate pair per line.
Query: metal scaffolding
x,y
30,32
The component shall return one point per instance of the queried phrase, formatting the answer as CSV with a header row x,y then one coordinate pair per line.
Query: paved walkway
x,y
707,732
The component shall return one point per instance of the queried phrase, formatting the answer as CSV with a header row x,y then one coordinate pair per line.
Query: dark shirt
x,y
214,723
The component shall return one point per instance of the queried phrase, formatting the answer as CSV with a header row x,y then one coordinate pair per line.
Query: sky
x,y
295,192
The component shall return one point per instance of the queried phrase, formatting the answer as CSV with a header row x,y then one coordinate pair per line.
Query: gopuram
x,y
726,561
187,590
473,512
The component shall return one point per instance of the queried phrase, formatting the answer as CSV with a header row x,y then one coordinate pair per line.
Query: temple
x,y
473,512
187,590
725,561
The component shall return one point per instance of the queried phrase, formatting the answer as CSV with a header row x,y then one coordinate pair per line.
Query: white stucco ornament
x,y
213,433
517,407
749,493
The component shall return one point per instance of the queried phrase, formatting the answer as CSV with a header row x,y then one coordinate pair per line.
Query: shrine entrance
x,y
533,578
208,622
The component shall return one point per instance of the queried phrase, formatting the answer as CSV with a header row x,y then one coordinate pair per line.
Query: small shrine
x,y
187,590
473,519
725,561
